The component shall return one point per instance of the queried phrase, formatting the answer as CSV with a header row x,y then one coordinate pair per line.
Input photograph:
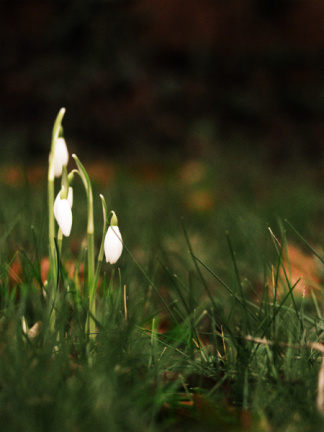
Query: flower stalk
x,y
90,235
104,231
63,207
51,226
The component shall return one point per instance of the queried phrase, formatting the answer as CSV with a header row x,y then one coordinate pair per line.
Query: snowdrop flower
x,y
113,244
58,198
63,212
61,156
64,216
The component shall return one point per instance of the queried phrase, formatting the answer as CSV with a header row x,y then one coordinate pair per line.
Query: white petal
x,y
70,196
113,244
56,202
58,197
63,215
61,156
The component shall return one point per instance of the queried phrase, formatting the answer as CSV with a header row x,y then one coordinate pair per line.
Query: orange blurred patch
x,y
193,172
36,174
15,175
15,272
12,175
101,172
148,172
73,272
200,200
299,265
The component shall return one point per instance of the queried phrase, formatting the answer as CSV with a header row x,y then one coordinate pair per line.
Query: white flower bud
x,y
61,156
63,215
113,244
58,198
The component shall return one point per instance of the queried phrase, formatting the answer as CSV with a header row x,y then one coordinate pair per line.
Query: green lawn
x,y
199,326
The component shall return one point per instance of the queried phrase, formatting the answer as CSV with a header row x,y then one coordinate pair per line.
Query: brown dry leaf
x,y
35,330
320,390
45,265
225,416
15,272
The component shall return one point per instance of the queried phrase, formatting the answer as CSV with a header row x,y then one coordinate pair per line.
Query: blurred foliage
x,y
177,78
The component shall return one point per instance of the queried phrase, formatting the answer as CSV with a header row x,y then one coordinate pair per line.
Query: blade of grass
x,y
148,279
285,272
9,229
224,285
239,282
196,265
175,284
305,241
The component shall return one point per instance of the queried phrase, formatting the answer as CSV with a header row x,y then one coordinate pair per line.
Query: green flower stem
x,y
51,226
59,241
64,183
104,231
90,234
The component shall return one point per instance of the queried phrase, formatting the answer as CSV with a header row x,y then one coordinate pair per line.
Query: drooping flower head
x,y
113,241
63,212
58,198
61,156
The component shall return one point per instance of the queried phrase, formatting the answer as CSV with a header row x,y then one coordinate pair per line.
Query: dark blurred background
x,y
143,79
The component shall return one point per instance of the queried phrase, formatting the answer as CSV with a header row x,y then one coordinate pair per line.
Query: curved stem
x,y
51,226
59,241
90,234
104,231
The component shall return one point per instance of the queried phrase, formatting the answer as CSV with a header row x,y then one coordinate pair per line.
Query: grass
x,y
199,325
